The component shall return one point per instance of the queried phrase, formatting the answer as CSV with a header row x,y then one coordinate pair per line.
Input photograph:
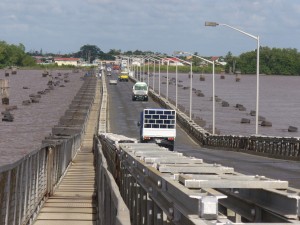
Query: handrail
x,y
28,182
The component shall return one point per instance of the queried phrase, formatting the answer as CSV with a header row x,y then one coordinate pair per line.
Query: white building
x,y
67,61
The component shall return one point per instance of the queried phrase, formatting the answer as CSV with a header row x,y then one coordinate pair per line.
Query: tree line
x,y
277,61
14,55
274,61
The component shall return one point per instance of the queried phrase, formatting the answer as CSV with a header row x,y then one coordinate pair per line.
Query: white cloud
x,y
149,23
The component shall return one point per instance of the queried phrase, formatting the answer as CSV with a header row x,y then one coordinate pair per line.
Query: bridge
x,y
93,170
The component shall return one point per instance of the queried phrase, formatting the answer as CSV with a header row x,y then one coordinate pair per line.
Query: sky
x,y
164,26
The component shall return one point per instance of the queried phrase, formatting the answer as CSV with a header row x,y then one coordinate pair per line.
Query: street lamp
x,y
214,24
158,71
162,59
168,59
214,96
191,82
154,60
143,68
142,63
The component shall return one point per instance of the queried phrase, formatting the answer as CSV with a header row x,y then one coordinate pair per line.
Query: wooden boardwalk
x,y
74,201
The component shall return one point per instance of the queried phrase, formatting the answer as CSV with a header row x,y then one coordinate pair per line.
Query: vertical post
x,y
153,78
159,77
143,69
257,88
50,159
26,187
214,99
8,187
150,208
167,95
148,74
191,91
16,200
176,88
140,73
144,212
4,94
21,192
158,215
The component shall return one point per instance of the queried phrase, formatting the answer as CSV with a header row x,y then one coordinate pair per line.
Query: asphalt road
x,y
124,115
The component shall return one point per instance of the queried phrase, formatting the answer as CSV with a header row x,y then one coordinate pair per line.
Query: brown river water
x,y
33,122
279,104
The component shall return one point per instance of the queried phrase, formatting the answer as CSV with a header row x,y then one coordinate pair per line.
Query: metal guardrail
x,y
164,187
26,184
111,206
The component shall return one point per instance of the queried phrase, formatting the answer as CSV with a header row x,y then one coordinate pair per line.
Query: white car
x,y
113,82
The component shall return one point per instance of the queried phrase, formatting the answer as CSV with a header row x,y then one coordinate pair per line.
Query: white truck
x,y
140,91
158,126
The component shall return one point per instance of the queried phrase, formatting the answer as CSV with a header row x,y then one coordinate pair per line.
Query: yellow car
x,y
124,76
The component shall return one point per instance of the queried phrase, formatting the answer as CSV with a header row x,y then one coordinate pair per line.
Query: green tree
x,y
114,52
88,52
14,55
230,60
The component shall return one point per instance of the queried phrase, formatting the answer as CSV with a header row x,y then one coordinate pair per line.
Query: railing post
x,y
49,171
26,189
150,219
7,197
17,201
21,193
143,207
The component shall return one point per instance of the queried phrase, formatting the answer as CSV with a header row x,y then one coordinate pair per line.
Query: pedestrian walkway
x,y
74,201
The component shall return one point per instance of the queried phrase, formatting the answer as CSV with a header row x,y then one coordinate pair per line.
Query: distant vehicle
x,y
124,76
108,73
124,63
158,126
116,67
140,91
112,81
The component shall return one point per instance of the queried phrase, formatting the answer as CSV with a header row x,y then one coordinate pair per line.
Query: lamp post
x,y
143,69
168,59
176,72
142,64
214,24
154,60
161,59
214,95
191,83
150,59
148,72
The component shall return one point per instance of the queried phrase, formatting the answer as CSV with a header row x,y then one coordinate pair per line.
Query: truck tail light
x,y
171,138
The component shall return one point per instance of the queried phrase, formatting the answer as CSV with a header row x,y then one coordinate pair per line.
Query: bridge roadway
x,y
124,114
73,201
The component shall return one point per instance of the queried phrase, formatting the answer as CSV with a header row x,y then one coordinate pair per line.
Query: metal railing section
x,y
26,184
164,187
111,206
